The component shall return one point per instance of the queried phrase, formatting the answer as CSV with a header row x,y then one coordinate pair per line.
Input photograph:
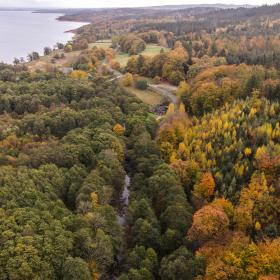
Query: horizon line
x,y
145,6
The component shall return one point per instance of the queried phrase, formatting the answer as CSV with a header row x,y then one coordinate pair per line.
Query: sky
x,y
120,3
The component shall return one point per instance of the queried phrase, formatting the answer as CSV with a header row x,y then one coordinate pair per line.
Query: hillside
x,y
146,148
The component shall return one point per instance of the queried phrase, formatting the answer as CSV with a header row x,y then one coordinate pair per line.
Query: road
x,y
165,90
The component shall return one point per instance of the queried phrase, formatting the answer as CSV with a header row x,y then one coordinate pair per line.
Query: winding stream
x,y
125,201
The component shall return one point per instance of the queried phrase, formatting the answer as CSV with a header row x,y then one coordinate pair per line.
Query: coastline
x,y
60,18
70,29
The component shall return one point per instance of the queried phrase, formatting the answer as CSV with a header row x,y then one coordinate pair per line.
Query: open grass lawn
x,y
45,62
147,96
151,50
149,80
101,44
122,58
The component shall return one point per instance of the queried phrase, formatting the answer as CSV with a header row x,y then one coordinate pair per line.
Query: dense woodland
x,y
204,200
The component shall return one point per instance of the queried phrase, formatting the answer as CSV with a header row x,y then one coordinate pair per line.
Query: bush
x,y
68,48
141,84
156,80
127,80
7,75
79,74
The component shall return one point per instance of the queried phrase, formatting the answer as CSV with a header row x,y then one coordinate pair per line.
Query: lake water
x,y
24,32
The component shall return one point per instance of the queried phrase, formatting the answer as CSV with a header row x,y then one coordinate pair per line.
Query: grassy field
x,y
147,96
101,44
122,58
151,50
45,62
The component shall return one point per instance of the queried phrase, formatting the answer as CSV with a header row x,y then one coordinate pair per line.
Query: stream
x,y
125,201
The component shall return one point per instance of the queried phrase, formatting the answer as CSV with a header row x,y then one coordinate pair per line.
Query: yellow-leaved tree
x,y
119,129
205,187
182,109
171,109
79,74
127,80
183,89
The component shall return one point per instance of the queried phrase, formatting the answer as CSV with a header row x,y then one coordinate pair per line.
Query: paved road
x,y
165,90
118,75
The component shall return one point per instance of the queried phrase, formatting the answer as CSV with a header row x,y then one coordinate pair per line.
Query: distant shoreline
x,y
178,6
61,13
71,30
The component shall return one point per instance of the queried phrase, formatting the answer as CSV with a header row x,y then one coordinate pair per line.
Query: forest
x,y
201,175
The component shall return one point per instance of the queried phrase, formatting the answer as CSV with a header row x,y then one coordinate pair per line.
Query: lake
x,y
22,32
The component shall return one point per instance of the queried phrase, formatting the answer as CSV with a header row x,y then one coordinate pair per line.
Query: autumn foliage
x,y
208,223
119,129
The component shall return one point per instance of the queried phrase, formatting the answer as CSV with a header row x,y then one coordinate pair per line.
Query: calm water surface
x,y
24,32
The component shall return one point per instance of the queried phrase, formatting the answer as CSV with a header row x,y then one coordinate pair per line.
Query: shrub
x,y
127,80
141,84
68,48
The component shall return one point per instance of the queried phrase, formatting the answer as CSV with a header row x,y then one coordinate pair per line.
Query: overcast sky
x,y
120,3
